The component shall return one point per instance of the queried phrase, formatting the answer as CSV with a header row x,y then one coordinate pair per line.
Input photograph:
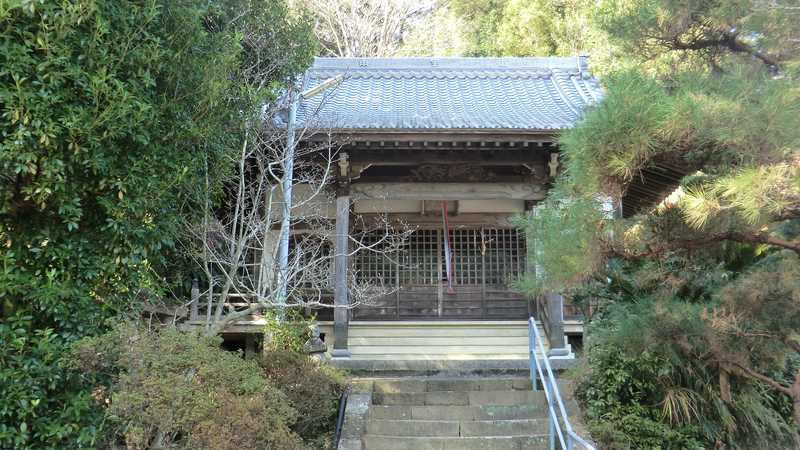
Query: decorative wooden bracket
x,y
553,164
344,165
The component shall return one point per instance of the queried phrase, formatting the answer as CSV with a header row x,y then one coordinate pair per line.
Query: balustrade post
x,y
555,330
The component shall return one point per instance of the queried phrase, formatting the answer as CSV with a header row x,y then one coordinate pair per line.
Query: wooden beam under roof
x,y
514,156
435,220
447,191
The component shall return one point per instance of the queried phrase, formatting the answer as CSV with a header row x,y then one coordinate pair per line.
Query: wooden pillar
x,y
555,315
341,312
530,262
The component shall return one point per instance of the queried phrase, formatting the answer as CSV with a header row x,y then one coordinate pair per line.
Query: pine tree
x,y
700,291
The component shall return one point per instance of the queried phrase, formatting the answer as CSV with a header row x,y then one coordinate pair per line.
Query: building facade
x,y
453,148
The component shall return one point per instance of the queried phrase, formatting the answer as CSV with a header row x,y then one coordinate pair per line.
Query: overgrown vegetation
x,y
111,114
171,389
165,388
314,388
696,343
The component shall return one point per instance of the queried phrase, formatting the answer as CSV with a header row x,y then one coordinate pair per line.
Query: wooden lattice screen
x,y
485,261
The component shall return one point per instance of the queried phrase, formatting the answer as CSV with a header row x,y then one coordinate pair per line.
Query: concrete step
x,y
375,442
457,398
490,428
450,384
413,428
434,362
456,348
535,410
438,328
437,341
455,428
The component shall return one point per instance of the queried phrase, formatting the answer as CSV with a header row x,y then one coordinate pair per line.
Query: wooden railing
x,y
432,302
199,305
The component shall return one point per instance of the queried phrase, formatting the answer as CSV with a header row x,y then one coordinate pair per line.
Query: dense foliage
x,y
696,343
312,387
170,389
509,28
111,113
164,388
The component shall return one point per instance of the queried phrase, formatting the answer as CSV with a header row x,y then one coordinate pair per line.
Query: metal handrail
x,y
552,394
337,433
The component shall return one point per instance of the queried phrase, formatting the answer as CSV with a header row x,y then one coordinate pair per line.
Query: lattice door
x,y
485,261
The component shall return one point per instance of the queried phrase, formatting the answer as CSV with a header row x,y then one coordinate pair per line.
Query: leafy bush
x,y
287,331
640,390
620,395
181,390
32,381
111,114
313,389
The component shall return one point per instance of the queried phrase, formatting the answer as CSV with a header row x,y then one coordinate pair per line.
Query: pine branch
x,y
763,238
792,343
689,244
725,40
750,373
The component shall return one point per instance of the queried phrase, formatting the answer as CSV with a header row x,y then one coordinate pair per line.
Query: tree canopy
x,y
695,343
111,113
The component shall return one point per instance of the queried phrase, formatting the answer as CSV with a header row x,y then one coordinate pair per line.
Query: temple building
x,y
455,146
454,149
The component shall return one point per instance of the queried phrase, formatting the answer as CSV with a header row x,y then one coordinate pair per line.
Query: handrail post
x,y
550,407
534,361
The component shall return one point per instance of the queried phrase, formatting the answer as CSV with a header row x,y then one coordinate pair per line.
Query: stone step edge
x,y
460,413
538,393
534,419
437,366
442,438
414,386
521,408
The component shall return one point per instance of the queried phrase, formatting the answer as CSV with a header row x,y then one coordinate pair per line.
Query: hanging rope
x,y
448,253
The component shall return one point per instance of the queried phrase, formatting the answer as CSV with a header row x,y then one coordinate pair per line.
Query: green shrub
x,y
637,394
287,330
110,113
620,396
42,404
181,390
313,389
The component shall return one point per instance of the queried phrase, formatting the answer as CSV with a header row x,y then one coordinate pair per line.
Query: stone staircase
x,y
419,413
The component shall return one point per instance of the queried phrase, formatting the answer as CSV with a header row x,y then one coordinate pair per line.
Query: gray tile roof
x,y
449,93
